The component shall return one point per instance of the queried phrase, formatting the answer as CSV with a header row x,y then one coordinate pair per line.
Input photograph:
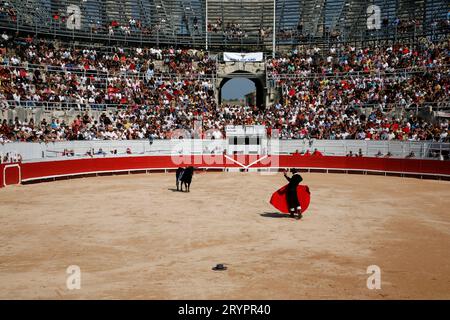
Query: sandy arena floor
x,y
134,237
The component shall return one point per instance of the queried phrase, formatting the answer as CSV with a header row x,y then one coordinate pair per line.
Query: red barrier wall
x,y
374,164
77,166
47,169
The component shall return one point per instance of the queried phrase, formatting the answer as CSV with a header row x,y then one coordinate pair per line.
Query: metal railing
x,y
92,106
271,75
60,106
360,74
105,75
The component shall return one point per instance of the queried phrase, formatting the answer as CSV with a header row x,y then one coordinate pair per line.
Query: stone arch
x,y
259,82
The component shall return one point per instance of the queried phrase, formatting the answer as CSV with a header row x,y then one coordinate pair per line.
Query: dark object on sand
x,y
219,267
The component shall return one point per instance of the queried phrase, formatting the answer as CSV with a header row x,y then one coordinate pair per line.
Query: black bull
x,y
184,177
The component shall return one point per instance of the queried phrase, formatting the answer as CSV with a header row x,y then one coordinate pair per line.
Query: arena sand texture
x,y
134,237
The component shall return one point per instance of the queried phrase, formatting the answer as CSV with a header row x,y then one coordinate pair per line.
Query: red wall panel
x,y
9,174
44,169
12,175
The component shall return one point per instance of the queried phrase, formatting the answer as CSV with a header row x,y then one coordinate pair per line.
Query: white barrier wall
x,y
34,151
39,151
400,149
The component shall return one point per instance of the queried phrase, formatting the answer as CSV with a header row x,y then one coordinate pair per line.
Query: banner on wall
x,y
442,114
243,57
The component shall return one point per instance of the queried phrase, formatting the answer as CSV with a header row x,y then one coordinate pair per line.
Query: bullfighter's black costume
x,y
291,192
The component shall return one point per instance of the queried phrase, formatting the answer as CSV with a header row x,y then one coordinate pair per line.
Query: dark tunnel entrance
x,y
257,81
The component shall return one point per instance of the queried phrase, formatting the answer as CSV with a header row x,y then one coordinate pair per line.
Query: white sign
x,y
231,130
243,57
442,114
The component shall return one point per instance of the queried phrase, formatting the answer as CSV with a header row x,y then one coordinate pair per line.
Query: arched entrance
x,y
257,80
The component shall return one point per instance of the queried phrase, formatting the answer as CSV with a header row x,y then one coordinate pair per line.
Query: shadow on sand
x,y
274,215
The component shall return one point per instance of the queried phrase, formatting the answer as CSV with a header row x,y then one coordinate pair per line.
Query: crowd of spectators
x,y
333,85
161,122
388,26
349,60
59,18
37,72
156,91
231,31
234,31
8,11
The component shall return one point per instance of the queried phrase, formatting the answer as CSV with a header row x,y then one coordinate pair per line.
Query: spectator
x,y
411,155
360,153
317,153
100,152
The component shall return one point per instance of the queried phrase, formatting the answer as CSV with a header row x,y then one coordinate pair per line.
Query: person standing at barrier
x,y
291,193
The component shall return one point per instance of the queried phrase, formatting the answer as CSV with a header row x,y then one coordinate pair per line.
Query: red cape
x,y
279,201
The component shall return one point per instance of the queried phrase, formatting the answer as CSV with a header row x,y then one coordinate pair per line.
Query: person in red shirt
x,y
394,126
76,125
406,129
22,73
317,153
291,92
